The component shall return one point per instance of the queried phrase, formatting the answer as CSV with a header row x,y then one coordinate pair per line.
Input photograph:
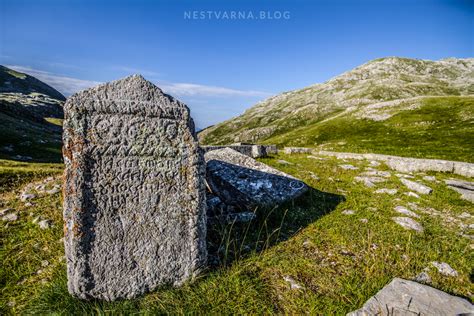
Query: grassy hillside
x,y
440,127
335,261
362,105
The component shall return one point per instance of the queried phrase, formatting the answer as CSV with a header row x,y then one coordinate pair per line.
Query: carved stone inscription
x,y
134,200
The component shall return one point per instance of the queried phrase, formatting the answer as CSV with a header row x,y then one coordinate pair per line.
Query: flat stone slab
x,y
465,188
134,191
404,297
416,186
246,183
408,223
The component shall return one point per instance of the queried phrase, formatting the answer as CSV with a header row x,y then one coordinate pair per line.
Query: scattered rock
x,y
44,224
284,162
348,167
314,157
10,217
297,150
403,210
369,181
26,196
53,191
406,176
376,173
374,163
417,187
465,188
348,212
464,215
4,211
444,268
429,178
408,223
44,263
293,284
364,220
404,297
412,194
387,191
423,277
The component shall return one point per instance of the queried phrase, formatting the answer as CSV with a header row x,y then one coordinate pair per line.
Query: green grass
x,y
339,261
442,128
39,140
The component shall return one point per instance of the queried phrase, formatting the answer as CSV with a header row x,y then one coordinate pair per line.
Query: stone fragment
x,y
243,217
10,217
364,220
408,223
134,192
403,210
406,176
423,277
246,183
297,150
376,173
348,167
404,297
465,188
369,182
387,191
293,284
44,224
444,268
348,212
417,187
26,196
412,194
284,162
429,178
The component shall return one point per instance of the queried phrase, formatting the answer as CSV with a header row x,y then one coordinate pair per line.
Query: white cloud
x,y
68,85
192,89
65,85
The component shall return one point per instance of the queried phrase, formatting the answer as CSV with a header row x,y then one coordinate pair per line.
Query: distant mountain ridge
x,y
370,95
16,82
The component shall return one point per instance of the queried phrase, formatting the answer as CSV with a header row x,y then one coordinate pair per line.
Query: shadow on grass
x,y
235,241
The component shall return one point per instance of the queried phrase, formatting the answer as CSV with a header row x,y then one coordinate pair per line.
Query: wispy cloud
x,y
192,89
68,85
65,85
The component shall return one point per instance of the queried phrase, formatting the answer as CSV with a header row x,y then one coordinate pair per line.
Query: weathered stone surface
x,y
134,193
415,186
408,223
403,297
387,191
297,150
403,210
465,188
246,183
444,269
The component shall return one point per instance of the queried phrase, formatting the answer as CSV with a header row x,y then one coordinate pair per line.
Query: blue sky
x,y
218,65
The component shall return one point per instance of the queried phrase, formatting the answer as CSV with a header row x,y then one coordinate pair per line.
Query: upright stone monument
x,y
134,193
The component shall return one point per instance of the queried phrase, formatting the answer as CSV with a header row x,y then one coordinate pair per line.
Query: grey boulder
x,y
246,183
403,297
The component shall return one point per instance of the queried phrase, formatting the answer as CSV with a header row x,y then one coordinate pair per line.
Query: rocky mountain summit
x,y
372,93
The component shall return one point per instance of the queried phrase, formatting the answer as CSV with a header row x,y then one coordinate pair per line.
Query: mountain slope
x,y
30,117
367,96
